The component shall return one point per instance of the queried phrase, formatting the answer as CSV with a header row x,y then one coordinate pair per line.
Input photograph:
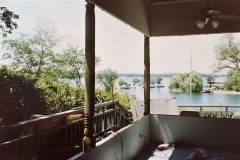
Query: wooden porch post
x,y
89,141
146,76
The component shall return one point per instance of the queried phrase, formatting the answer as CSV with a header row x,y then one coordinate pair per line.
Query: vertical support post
x,y
146,76
89,141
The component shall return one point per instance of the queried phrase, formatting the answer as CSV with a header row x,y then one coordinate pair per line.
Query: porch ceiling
x,y
158,17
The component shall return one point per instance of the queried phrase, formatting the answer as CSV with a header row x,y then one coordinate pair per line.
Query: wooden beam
x,y
146,76
89,141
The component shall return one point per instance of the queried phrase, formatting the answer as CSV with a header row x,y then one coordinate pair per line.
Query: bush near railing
x,y
211,114
211,110
216,114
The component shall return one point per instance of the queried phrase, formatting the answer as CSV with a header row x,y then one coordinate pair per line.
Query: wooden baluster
x,y
36,146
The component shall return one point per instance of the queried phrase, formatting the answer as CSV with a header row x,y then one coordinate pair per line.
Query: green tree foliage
x,y
155,79
71,63
228,57
152,80
107,77
32,54
181,82
136,80
7,24
196,83
32,57
227,53
35,55
123,98
122,82
59,95
210,79
45,95
102,96
158,80
233,80
19,97
177,82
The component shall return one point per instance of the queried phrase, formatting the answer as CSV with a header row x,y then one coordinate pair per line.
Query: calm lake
x,y
184,98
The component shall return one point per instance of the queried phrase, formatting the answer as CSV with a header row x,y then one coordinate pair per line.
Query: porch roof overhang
x,y
171,17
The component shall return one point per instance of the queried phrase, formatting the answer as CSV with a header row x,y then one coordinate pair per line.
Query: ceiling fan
x,y
210,14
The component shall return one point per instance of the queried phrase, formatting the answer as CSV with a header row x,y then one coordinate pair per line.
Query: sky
x,y
119,46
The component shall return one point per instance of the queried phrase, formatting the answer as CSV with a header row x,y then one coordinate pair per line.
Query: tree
x,y
196,83
59,95
107,77
122,82
19,97
123,98
233,80
227,53
7,24
71,63
210,80
32,54
177,82
158,80
136,80
152,80
181,82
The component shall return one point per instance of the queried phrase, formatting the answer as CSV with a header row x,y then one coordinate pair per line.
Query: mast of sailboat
x,y
191,75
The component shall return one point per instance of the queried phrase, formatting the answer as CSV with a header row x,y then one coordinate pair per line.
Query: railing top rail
x,y
46,118
16,140
27,123
122,108
99,105
208,105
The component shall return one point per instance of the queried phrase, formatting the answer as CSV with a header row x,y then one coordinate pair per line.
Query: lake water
x,y
184,98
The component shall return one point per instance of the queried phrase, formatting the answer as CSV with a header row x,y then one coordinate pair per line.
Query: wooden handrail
x,y
121,107
46,118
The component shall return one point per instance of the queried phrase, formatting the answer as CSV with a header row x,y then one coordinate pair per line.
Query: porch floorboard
x,y
181,153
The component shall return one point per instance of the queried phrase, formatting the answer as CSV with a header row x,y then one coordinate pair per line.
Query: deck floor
x,y
181,153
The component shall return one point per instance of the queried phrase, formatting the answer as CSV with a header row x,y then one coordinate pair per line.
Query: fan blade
x,y
168,1
229,17
186,17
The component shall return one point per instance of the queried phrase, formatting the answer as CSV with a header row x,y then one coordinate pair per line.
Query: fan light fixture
x,y
215,23
202,22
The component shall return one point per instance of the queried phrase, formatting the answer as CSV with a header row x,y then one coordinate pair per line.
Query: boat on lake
x,y
207,90
125,87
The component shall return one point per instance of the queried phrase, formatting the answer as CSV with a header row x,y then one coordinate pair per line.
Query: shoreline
x,y
227,92
214,91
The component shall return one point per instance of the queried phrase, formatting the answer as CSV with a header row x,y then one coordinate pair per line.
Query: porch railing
x,y
50,135
212,110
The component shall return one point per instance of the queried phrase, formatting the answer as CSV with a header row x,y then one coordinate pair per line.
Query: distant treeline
x,y
163,75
